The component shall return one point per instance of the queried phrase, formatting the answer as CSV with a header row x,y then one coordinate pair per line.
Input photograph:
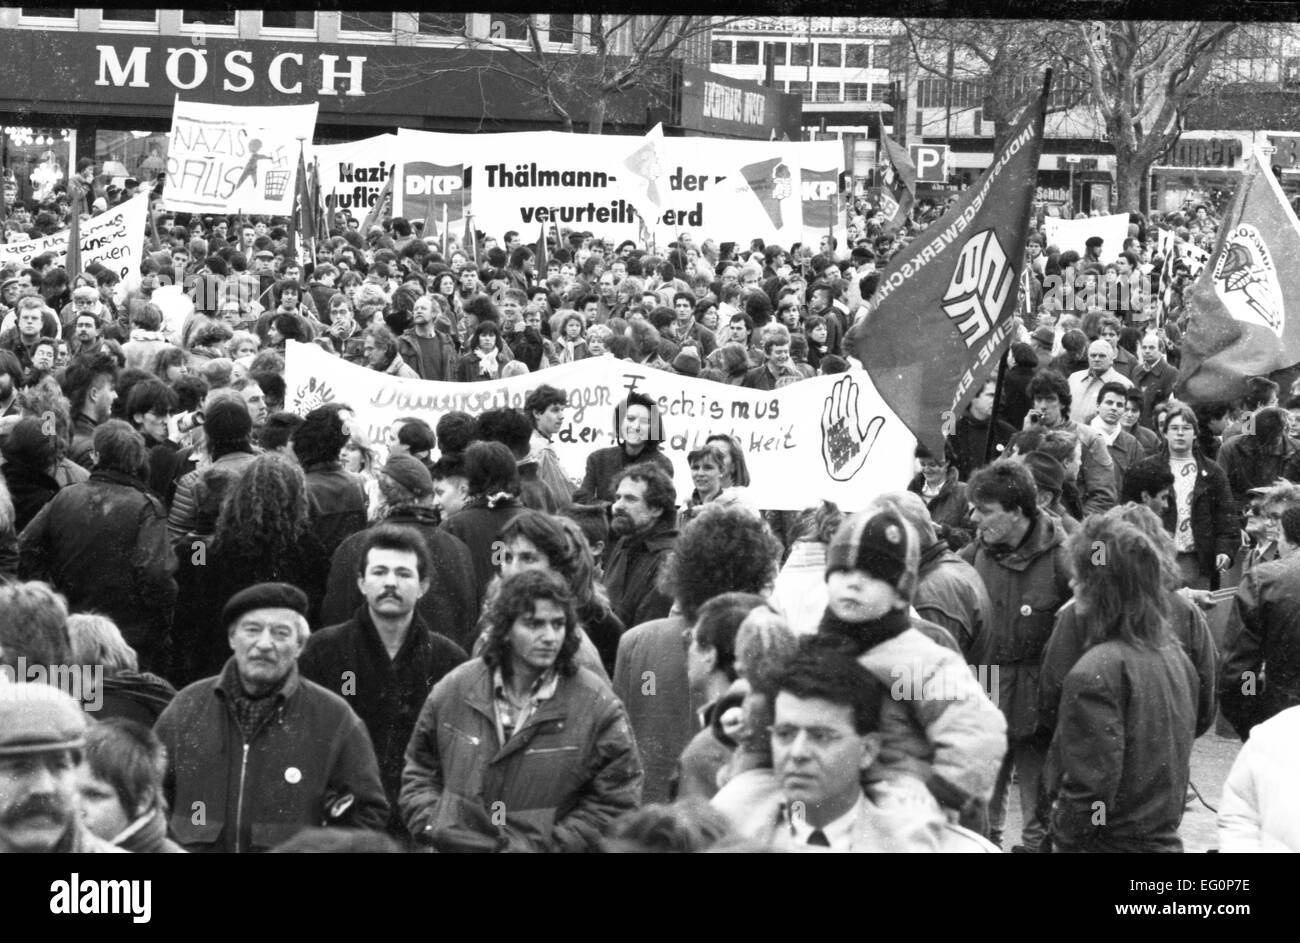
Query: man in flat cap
x,y
42,731
258,752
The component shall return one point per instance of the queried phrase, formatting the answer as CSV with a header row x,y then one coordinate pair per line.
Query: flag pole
x,y
989,437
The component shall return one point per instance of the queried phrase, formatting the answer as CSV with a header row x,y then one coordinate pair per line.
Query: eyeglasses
x,y
820,737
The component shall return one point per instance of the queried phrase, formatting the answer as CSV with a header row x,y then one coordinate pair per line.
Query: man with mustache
x,y
264,752
643,517
385,659
42,731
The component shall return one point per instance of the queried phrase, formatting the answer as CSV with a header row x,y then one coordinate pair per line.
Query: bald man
x,y
1086,384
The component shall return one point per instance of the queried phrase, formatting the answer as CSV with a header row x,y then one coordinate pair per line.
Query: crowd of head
x,y
460,647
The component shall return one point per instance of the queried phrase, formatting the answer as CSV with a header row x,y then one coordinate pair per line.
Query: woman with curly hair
x,y
537,541
570,348
207,342
262,535
170,364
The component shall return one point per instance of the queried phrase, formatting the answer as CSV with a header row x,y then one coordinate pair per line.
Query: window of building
x,y
828,92
802,89
131,16
776,53
857,91
508,26
208,17
442,24
720,52
880,56
561,28
366,21
50,13
799,54
857,55
37,159
138,154
747,53
880,91
829,54
288,19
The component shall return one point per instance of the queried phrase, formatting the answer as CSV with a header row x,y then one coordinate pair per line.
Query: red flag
x,y
1239,325
943,314
898,189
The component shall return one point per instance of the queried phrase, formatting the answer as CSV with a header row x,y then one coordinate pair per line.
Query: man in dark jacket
x,y
103,544
1019,553
384,661
427,347
264,752
643,518
521,749
336,500
1260,673
450,606
88,383
969,437
1259,457
1155,376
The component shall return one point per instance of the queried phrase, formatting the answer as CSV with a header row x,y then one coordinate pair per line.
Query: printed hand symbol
x,y
845,442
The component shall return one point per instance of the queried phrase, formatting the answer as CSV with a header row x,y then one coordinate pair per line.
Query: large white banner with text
x,y
352,175
827,438
1067,234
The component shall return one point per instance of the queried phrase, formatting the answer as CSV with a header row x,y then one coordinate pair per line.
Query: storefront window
x,y
138,154
35,159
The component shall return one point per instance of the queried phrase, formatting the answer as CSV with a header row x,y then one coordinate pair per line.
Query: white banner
x,y
353,174
779,191
1067,234
236,159
114,239
824,438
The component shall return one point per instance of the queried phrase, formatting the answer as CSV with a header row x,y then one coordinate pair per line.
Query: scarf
x,y
863,636
487,362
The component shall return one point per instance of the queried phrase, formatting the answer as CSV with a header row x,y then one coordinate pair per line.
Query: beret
x,y
264,596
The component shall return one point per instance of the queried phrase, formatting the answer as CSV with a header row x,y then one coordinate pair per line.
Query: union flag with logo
x,y
1244,307
943,313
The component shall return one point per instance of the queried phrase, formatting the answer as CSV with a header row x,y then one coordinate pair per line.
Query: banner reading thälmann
x,y
943,313
724,190
827,438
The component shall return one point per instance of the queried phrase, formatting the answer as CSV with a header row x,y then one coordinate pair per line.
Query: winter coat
x,y
1214,515
1156,383
258,793
386,693
632,571
30,490
337,504
468,371
181,517
1247,464
442,366
143,347
1260,673
1123,739
1026,586
476,525
604,466
103,545
448,608
1070,640
1097,472
948,509
968,441
800,588
1258,811
937,726
137,696
1015,398
560,779
950,593
658,704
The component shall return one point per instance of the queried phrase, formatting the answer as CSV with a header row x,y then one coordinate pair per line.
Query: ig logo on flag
x,y
980,286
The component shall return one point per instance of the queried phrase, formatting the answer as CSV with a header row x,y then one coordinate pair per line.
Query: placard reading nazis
x,y
227,158
114,239
827,438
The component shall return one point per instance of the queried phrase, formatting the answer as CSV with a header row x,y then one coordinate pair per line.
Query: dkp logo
x,y
981,283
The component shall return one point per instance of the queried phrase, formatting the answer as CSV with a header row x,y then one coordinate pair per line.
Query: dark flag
x,y
469,244
541,260
77,191
942,315
1245,306
377,211
898,184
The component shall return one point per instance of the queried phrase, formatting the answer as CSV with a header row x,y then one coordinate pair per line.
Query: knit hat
x,y
687,362
264,596
410,473
1048,472
37,718
228,420
1044,335
880,544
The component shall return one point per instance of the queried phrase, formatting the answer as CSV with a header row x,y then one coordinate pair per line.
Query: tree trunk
x,y
1130,169
597,122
